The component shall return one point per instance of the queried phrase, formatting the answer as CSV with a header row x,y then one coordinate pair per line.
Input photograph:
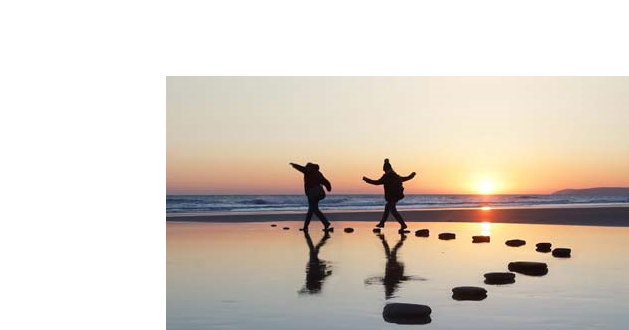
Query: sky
x,y
462,135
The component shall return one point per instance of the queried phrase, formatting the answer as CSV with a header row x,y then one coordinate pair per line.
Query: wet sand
x,y
254,276
582,216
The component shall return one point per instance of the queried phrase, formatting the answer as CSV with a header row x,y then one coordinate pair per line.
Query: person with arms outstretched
x,y
393,192
313,182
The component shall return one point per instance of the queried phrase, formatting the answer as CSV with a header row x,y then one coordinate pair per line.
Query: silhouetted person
x,y
313,182
316,269
393,192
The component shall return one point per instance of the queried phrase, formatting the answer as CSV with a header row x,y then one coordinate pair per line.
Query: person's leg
x,y
308,215
320,215
397,215
385,215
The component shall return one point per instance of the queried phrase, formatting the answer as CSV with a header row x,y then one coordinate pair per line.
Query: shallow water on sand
x,y
254,276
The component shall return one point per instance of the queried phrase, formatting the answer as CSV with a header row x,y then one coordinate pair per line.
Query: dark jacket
x,y
393,189
313,179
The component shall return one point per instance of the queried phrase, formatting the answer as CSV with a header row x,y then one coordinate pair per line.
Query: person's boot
x,y
380,224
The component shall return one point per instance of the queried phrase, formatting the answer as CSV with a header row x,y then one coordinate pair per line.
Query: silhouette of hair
x,y
387,166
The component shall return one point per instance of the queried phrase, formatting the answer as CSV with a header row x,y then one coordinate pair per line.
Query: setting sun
x,y
486,187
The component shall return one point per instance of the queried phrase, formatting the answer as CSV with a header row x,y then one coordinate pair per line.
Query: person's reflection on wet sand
x,y
394,269
316,269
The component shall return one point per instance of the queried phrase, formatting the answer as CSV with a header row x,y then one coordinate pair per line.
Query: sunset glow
x,y
462,135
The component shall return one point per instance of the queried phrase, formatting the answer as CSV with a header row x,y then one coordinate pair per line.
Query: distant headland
x,y
599,191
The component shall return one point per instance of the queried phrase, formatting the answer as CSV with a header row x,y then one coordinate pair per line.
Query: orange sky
x,y
516,135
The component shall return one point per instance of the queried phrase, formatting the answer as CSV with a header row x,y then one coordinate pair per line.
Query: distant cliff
x,y
600,191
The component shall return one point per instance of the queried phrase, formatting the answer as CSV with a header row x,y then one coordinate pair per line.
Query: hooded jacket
x,y
393,189
313,179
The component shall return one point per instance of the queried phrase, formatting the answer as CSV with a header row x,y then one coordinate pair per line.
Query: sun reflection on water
x,y
485,229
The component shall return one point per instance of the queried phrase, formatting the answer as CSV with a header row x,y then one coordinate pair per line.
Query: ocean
x,y
177,204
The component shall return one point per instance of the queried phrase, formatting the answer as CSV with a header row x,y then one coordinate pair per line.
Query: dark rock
x,y
529,268
469,293
543,247
348,230
422,233
273,225
401,313
480,239
376,230
447,236
515,242
499,278
286,228
562,252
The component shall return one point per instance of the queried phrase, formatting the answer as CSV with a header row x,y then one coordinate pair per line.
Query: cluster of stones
x,y
404,313
420,314
543,247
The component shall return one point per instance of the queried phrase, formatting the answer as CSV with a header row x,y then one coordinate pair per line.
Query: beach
x,y
512,191
250,275
257,270
581,216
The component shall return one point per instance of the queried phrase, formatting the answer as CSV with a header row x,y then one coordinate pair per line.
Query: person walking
x,y
313,186
393,192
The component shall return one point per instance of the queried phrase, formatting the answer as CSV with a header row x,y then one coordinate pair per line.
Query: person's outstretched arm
x,y
374,182
326,183
406,178
298,167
